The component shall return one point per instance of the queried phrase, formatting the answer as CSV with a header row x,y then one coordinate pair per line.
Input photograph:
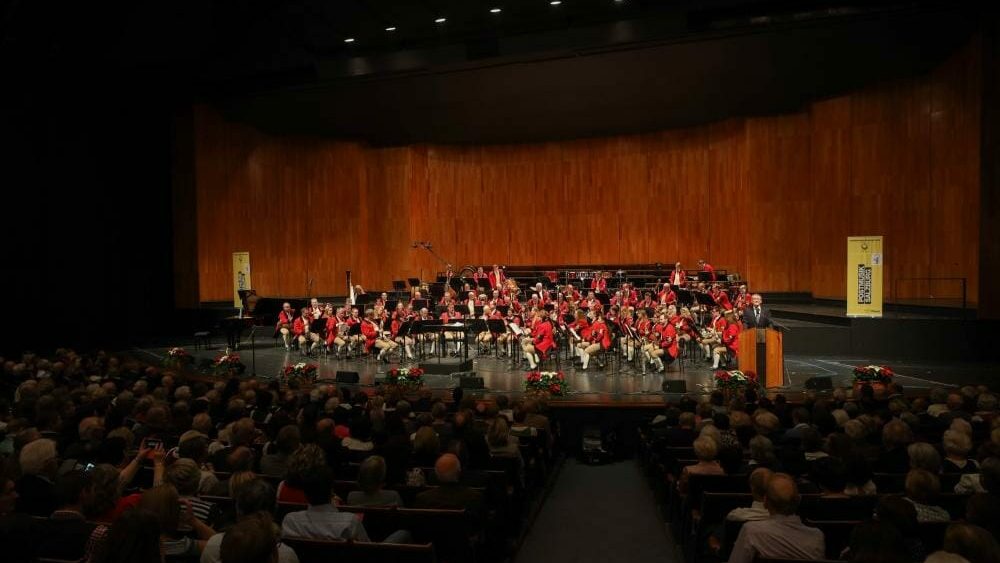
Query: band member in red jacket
x,y
706,267
667,346
730,341
677,276
284,326
299,331
542,339
712,335
496,277
721,297
399,317
599,338
667,295
598,283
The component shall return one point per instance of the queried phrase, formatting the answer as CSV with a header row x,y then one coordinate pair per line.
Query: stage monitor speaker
x,y
675,386
470,381
348,377
819,383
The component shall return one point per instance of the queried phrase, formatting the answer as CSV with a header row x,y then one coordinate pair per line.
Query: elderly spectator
x,y
303,461
782,535
251,540
922,487
136,537
902,515
761,455
39,462
957,446
450,493
371,479
939,402
683,435
500,441
705,449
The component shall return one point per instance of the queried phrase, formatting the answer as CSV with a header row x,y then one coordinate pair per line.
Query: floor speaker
x,y
471,381
819,383
675,386
348,377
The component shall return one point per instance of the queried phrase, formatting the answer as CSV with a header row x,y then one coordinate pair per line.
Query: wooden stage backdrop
x,y
770,197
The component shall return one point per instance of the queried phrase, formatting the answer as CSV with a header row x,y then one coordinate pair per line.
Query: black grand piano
x,y
257,311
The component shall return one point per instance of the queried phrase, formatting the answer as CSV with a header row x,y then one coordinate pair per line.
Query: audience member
x,y
782,535
371,479
922,487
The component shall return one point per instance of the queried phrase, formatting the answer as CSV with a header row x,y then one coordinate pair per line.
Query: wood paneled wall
x,y
770,197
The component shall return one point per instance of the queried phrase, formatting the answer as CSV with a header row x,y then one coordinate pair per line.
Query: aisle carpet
x,y
598,513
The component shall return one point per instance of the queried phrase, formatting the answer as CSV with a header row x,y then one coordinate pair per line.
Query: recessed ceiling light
x,y
349,40
555,2
440,20
494,10
390,28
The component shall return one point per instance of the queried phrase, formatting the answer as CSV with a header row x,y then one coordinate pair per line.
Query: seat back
x,y
317,551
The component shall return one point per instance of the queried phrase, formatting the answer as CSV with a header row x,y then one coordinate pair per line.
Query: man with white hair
x,y
757,315
39,462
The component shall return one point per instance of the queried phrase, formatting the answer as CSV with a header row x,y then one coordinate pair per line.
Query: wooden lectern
x,y
760,351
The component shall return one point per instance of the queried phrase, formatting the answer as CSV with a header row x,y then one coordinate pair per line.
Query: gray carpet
x,y
598,513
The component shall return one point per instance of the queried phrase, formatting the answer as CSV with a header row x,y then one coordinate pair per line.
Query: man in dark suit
x,y
449,493
757,315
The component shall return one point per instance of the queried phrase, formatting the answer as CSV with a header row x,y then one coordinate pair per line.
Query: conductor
x,y
756,315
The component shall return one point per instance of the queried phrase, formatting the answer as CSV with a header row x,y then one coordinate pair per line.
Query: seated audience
x,y
957,446
782,535
877,541
321,520
973,543
135,537
450,493
256,499
894,458
275,462
39,463
923,456
163,502
902,515
251,540
371,479
705,450
758,488
922,487
67,531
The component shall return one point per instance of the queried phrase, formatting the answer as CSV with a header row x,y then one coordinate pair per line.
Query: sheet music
x,y
575,335
515,329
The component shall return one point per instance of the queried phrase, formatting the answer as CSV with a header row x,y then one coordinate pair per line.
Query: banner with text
x,y
864,276
241,275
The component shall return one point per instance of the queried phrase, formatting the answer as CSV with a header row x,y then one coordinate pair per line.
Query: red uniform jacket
x,y
722,299
667,296
677,277
285,319
599,284
719,325
542,335
711,271
298,326
370,331
730,338
600,334
643,327
668,341
495,282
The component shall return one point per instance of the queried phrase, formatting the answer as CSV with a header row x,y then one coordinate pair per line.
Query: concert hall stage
x,y
611,386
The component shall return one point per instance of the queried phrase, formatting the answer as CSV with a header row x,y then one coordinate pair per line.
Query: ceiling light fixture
x,y
390,28
495,10
555,2
440,20
349,40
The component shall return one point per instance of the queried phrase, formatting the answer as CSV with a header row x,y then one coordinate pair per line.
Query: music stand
x,y
484,283
504,309
390,305
398,287
603,298
414,282
684,297
419,304
549,307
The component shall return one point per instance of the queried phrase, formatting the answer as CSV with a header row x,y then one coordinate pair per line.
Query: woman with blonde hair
x,y
163,502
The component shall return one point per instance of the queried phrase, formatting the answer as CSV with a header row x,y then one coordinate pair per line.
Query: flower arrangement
x,y
300,372
228,363
873,374
552,382
177,357
735,379
405,377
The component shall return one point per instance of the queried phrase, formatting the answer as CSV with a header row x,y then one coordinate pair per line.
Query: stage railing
x,y
931,292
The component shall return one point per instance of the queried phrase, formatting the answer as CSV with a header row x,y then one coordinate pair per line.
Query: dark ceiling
x,y
533,71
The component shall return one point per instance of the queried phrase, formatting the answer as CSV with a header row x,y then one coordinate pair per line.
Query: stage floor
x,y
618,383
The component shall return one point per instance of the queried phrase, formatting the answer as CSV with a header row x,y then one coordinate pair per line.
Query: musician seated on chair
x,y
712,334
598,339
730,341
284,327
541,340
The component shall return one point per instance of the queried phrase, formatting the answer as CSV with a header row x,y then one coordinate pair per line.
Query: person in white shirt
x,y
254,498
782,535
758,487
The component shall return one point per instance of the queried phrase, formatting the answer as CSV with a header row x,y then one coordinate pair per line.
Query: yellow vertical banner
x,y
241,275
864,276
